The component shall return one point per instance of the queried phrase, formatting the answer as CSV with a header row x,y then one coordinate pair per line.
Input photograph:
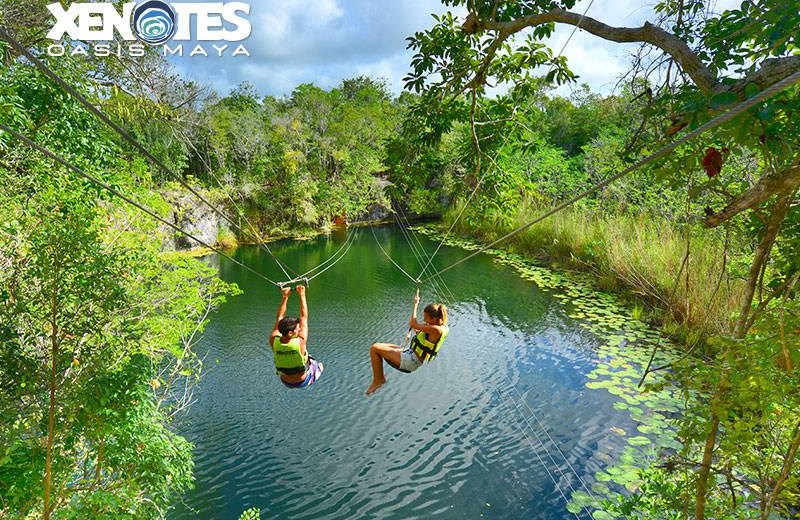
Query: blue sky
x,y
325,41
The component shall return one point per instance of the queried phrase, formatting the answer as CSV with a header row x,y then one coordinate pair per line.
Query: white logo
x,y
154,23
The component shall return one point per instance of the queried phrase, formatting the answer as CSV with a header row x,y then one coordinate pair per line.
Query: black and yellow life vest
x,y
289,358
426,349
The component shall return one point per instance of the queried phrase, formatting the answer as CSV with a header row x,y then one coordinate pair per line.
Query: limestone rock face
x,y
195,217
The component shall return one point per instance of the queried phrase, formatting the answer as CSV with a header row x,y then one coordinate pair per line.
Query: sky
x,y
326,41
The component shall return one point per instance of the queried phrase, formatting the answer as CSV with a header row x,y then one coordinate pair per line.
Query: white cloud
x,y
386,69
326,41
320,41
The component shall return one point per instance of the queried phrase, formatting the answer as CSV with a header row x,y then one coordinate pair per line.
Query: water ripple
x,y
457,439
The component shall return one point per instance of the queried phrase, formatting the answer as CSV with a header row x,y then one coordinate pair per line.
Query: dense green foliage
x,y
98,325
302,160
283,163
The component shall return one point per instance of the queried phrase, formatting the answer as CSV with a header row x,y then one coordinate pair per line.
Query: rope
x,y
419,250
334,263
550,438
415,280
477,145
458,217
6,35
520,412
57,158
538,438
552,441
236,206
535,450
662,152
298,277
466,204
347,243
574,30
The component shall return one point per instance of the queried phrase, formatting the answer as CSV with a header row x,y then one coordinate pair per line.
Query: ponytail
x,y
438,311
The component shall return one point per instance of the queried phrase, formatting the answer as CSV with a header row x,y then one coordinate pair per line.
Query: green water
x,y
500,425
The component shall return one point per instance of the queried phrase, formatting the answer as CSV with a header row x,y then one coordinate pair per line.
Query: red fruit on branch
x,y
712,162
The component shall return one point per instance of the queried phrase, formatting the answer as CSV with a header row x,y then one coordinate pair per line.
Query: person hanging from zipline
x,y
296,368
425,344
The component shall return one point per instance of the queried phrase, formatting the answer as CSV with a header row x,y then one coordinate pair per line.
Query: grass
x,y
640,255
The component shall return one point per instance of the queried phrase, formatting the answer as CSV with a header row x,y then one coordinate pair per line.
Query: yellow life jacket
x,y
425,349
289,359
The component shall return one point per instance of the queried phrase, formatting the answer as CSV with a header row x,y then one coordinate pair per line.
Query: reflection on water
x,y
462,437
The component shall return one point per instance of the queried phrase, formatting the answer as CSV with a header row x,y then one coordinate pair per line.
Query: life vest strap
x,y
424,352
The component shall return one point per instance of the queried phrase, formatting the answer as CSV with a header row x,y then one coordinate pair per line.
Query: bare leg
x,y
377,353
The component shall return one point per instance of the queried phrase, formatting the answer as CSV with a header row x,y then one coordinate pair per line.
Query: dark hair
x,y
287,325
436,310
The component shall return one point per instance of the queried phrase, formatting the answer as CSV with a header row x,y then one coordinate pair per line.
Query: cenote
x,y
500,425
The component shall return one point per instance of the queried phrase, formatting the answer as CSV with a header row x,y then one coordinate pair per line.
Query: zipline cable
x,y
535,450
57,158
336,258
461,212
520,412
298,277
574,30
6,35
344,254
236,206
466,204
544,446
662,152
541,427
544,433
552,441
351,236
418,250
414,280
472,121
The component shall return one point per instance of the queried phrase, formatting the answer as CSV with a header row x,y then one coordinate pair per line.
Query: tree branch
x,y
770,184
770,72
648,33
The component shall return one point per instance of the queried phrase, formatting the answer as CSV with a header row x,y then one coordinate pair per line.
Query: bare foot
x,y
375,385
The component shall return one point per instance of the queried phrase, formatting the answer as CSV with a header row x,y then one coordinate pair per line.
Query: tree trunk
x,y
705,469
773,225
788,462
51,422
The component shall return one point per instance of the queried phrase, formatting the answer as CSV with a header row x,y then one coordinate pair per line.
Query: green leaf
x,y
722,99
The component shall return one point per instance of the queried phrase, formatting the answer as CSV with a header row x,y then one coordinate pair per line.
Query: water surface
x,y
500,425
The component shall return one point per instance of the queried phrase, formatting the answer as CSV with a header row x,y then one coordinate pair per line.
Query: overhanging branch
x,y
648,33
785,181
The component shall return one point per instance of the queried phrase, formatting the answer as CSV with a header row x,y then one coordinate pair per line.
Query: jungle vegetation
x,y
98,321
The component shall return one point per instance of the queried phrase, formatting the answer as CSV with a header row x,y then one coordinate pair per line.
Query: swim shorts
x,y
409,361
313,373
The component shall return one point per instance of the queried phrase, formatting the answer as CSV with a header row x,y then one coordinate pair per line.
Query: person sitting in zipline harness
x,y
424,345
288,341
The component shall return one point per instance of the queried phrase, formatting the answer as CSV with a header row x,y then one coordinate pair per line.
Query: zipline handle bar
x,y
289,283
